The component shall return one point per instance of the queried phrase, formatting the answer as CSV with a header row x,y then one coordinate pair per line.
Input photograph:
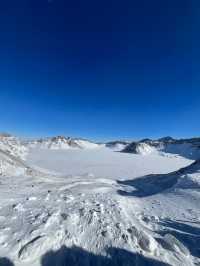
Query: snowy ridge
x,y
189,148
62,143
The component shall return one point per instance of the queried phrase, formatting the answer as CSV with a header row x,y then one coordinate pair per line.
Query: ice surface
x,y
104,162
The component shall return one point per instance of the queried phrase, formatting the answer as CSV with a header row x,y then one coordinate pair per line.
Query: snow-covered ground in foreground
x,y
100,207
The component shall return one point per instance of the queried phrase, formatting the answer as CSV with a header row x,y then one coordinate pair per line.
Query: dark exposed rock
x,y
117,142
131,148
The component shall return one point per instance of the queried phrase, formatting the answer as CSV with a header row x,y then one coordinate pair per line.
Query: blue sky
x,y
100,70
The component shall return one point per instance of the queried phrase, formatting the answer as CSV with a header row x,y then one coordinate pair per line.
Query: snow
x,y
13,146
103,162
185,148
84,144
93,205
61,143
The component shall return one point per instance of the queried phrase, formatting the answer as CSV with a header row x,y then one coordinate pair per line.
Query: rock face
x,y
131,148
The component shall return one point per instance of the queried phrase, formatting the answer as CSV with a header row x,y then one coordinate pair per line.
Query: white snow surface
x,y
95,206
186,150
103,162
13,146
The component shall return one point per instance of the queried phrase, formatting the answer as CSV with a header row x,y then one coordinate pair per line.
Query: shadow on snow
x,y
156,183
147,185
188,235
76,256
5,262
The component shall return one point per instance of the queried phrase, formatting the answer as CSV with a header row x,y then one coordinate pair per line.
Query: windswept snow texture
x,y
93,205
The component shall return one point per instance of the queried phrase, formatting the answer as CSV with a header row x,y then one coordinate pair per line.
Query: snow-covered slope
x,y
12,153
189,148
13,145
86,144
100,208
10,166
187,177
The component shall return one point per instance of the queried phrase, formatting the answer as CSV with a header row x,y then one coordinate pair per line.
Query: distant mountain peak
x,y
166,139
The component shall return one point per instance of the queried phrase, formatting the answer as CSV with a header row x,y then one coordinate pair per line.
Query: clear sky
x,y
100,69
